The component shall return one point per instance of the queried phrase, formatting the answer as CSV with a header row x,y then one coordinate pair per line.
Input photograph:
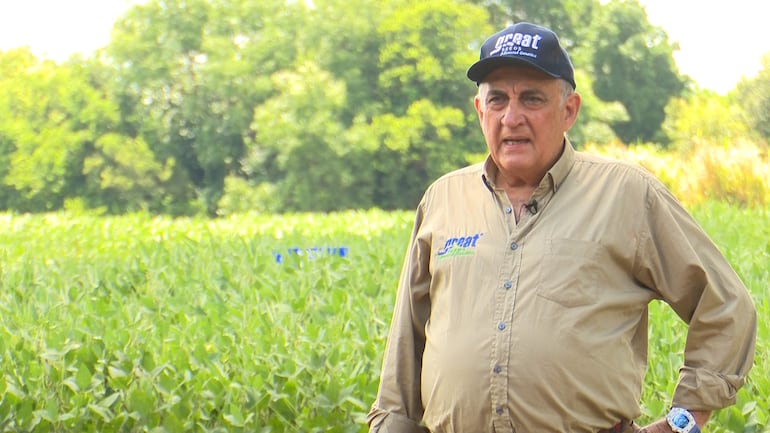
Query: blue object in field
x,y
312,252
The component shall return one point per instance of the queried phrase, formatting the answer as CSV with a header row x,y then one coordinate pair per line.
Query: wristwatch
x,y
681,421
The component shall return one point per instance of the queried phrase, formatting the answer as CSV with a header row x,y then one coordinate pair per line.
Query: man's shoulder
x,y
600,164
456,183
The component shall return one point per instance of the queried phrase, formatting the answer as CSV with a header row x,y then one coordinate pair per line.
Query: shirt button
x,y
514,246
501,326
507,284
497,369
499,410
508,210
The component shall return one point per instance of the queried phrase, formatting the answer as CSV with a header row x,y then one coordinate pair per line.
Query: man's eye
x,y
534,100
494,99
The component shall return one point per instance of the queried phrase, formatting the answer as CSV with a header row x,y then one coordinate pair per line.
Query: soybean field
x,y
253,322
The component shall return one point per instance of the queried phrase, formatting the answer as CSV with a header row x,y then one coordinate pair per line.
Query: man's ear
x,y
477,105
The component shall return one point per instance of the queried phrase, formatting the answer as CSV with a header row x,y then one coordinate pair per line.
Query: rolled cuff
x,y
700,389
384,422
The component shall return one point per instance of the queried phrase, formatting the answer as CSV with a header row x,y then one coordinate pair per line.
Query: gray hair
x,y
566,90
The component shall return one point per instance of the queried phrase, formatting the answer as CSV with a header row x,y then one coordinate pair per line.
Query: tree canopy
x,y
209,107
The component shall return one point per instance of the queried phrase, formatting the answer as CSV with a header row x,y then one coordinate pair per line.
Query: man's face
x,y
524,116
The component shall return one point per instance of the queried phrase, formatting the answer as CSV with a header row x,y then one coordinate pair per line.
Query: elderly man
x,y
523,301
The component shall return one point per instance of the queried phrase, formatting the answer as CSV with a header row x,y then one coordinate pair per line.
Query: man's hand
x,y
661,426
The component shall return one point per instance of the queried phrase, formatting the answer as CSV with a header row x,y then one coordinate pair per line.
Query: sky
x,y
720,42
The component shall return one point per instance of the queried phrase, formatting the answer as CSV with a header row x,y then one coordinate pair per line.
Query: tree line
x,y
199,107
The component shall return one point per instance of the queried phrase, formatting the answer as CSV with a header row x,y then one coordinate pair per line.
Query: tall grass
x,y
702,171
250,323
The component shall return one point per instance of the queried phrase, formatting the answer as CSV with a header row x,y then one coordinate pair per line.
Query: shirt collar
x,y
553,179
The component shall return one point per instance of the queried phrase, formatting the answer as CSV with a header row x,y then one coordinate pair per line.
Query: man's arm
x,y
681,263
393,423
398,407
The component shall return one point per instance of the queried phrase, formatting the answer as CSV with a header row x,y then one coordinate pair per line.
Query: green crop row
x,y
250,323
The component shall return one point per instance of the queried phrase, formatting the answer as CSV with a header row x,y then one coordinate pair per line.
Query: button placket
x,y
504,312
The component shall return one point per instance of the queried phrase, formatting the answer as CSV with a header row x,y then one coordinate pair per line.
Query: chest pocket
x,y
570,272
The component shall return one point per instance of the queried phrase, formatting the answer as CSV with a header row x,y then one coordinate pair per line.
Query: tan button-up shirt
x,y
541,326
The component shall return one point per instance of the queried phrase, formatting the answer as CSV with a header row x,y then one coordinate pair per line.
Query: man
x,y
523,301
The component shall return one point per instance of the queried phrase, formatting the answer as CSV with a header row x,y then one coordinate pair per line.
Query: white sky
x,y
720,42
57,28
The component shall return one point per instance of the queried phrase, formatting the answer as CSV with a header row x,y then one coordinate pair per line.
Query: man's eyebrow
x,y
533,92
495,92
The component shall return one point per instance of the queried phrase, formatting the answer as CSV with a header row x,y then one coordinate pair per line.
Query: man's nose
x,y
512,115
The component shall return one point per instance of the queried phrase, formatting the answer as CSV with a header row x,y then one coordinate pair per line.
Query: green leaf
x,y
103,412
141,401
235,416
109,400
83,377
52,410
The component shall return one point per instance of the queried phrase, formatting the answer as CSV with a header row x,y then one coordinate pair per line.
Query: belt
x,y
617,428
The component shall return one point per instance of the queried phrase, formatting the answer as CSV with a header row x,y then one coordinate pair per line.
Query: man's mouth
x,y
514,141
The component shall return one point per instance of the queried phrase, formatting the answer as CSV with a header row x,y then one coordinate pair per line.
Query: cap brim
x,y
482,68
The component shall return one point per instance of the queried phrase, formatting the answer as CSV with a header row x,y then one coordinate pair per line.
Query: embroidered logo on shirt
x,y
460,246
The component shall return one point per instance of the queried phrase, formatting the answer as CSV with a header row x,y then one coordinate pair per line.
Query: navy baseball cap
x,y
524,44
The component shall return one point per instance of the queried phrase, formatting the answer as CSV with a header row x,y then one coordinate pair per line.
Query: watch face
x,y
680,420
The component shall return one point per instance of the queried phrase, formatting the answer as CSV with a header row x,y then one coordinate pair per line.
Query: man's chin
x,y
516,163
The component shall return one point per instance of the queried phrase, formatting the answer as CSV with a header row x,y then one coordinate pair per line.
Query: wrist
x,y
701,417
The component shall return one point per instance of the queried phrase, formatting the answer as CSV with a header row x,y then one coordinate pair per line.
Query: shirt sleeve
x,y
679,261
398,407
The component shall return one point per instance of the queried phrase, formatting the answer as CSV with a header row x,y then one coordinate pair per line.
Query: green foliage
x,y
424,141
240,196
567,18
702,171
60,141
331,104
298,132
352,55
52,115
190,74
703,115
632,62
419,57
127,174
140,323
754,96
596,116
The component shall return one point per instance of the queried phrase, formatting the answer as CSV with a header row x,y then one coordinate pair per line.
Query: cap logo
x,y
512,43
